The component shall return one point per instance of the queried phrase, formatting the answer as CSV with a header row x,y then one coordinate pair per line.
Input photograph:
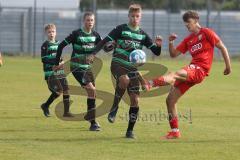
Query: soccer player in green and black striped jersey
x,y
83,41
128,37
56,80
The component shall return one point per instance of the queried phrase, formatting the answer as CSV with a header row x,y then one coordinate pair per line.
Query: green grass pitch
x,y
25,134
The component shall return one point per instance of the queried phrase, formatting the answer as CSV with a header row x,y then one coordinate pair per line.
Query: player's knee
x,y
173,80
180,75
170,78
124,81
91,90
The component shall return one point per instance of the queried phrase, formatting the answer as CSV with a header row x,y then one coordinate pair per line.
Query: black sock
x,y
66,103
51,98
119,92
133,114
91,110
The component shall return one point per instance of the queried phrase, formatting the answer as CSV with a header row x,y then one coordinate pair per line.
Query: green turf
x,y
26,135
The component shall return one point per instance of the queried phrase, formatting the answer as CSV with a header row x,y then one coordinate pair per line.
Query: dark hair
x,y
87,14
190,14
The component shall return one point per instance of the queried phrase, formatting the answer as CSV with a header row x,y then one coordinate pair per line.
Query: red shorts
x,y
195,75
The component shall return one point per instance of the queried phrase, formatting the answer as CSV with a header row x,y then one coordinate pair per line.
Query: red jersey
x,y
201,47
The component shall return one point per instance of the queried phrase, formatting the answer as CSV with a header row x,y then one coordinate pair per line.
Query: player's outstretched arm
x,y
158,48
68,40
155,47
59,51
226,58
112,36
172,50
100,45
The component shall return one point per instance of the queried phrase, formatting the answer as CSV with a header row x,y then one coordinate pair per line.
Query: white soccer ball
x,y
137,57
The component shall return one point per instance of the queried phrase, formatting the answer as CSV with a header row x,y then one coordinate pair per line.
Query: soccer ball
x,y
137,57
109,46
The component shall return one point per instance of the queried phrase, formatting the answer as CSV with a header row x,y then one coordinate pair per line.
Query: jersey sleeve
x,y
212,37
182,46
98,39
70,38
115,33
148,42
43,52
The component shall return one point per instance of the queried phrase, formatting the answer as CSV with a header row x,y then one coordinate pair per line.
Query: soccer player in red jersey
x,y
200,44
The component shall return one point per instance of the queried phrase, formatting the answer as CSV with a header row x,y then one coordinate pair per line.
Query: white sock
x,y
175,130
150,82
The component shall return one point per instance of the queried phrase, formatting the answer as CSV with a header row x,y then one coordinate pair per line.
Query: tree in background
x,y
169,5
231,5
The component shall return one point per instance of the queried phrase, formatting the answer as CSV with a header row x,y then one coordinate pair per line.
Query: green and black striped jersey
x,y
127,40
83,44
48,56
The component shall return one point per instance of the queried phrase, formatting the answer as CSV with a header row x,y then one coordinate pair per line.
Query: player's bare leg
x,y
168,79
91,105
120,89
172,98
124,81
171,102
133,114
91,90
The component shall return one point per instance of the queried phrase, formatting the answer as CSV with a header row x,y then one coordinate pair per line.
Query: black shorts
x,y
84,76
57,85
118,70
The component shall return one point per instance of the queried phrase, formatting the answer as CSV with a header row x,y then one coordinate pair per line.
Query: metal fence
x,y
21,29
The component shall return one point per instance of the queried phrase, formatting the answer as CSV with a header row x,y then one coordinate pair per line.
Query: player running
x,y
83,41
128,37
200,44
56,80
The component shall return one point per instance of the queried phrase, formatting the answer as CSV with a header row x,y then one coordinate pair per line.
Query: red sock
x,y
173,123
159,81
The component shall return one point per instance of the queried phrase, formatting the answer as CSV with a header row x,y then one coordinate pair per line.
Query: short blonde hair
x,y
134,8
49,26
